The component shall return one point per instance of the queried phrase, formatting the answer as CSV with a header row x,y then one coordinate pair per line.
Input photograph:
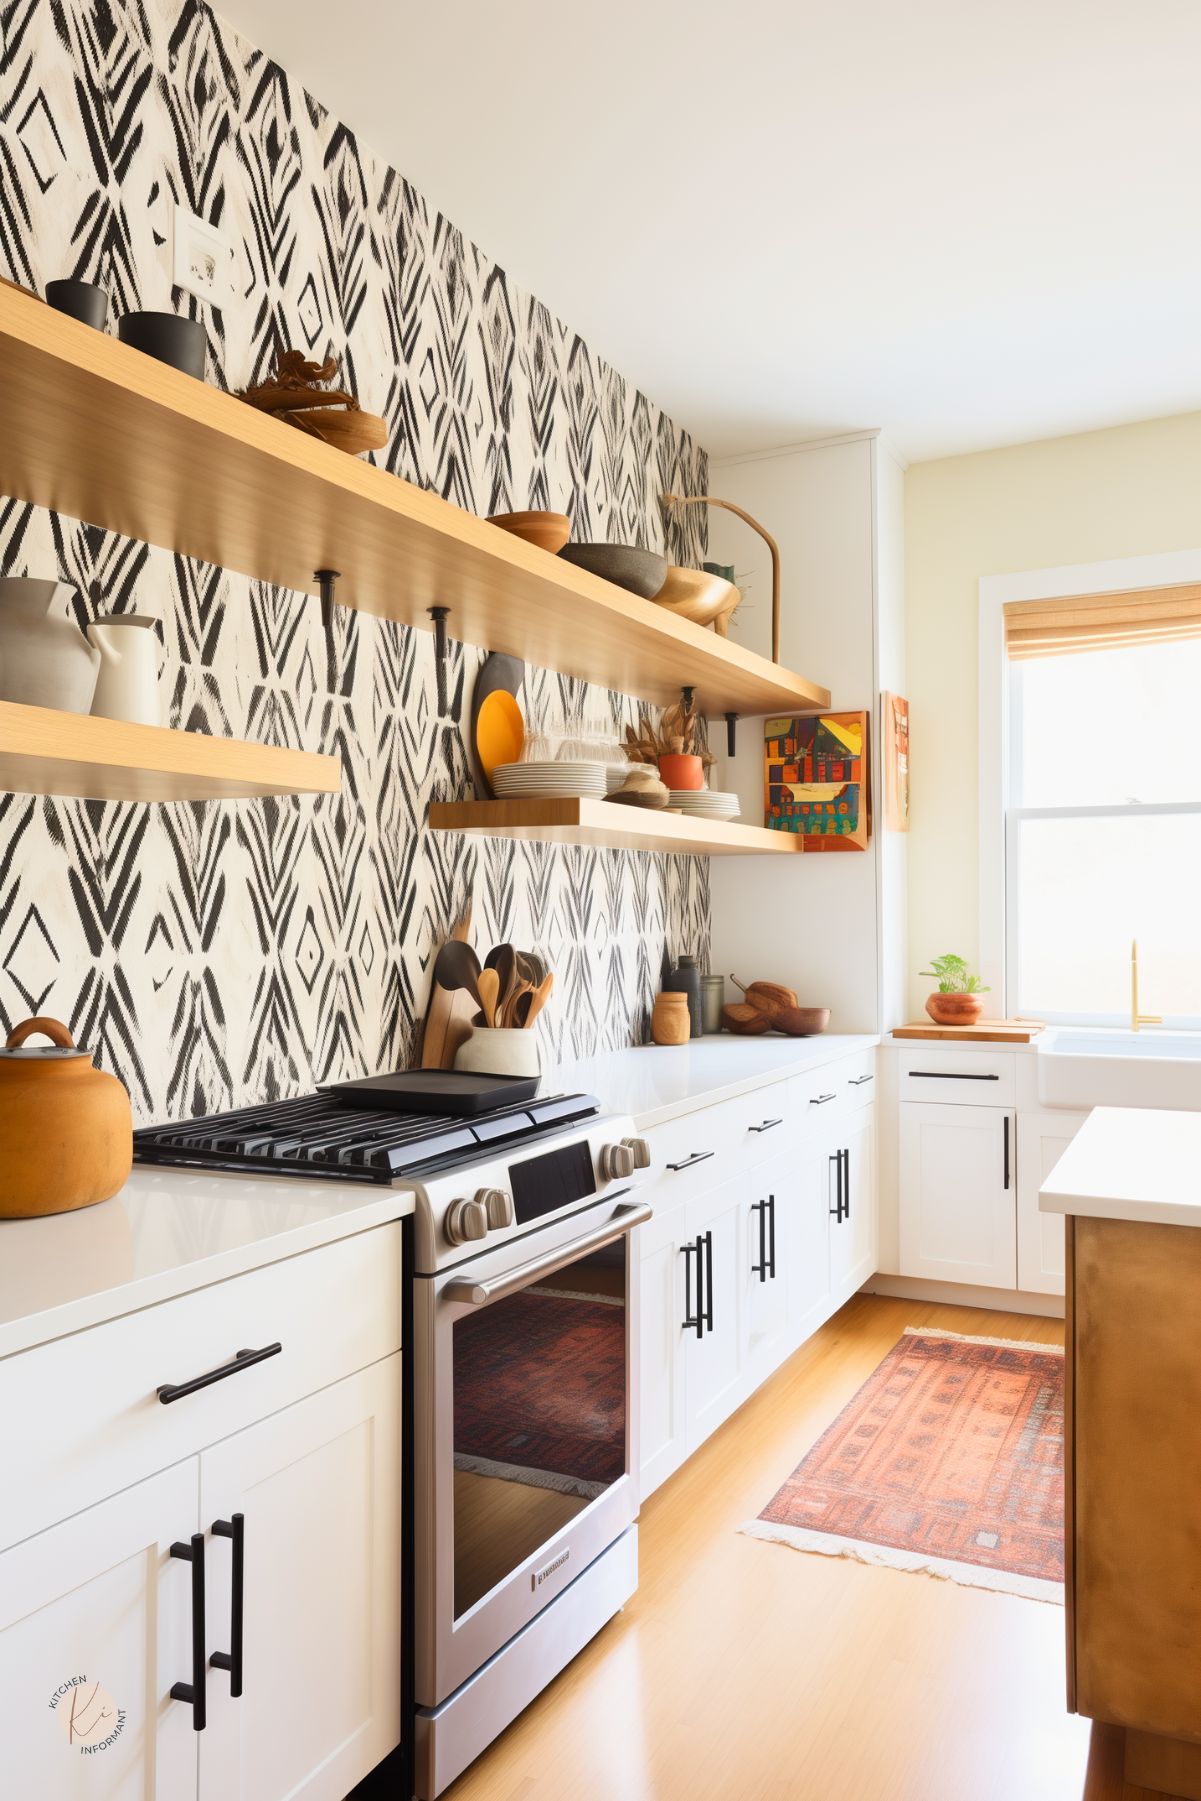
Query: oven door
x,y
526,1452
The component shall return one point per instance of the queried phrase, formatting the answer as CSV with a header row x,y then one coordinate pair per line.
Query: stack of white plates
x,y
704,803
549,781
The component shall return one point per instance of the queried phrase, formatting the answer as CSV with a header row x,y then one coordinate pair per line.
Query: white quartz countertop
x,y
658,1082
167,1232
1130,1163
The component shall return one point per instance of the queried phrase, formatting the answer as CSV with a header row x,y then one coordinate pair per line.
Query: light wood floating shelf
x,y
603,823
99,431
43,751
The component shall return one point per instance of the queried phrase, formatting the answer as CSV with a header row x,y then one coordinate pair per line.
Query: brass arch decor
x,y
710,500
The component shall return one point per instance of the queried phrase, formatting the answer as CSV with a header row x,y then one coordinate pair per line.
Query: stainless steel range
x,y
523,1354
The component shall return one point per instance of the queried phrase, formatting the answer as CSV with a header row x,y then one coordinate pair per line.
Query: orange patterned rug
x,y
949,1460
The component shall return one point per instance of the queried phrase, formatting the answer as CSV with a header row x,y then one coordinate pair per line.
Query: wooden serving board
x,y
985,1031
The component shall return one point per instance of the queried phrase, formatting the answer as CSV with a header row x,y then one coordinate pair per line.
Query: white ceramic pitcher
x,y
45,660
127,686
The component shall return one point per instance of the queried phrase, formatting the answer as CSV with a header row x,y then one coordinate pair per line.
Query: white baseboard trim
x,y
963,1294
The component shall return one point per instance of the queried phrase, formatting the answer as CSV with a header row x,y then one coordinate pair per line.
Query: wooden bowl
x,y
695,594
346,428
955,1009
801,1022
549,531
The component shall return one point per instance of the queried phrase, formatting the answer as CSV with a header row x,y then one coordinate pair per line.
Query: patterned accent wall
x,y
218,953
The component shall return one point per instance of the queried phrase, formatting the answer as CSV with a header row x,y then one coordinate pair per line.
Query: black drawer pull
x,y
693,1322
858,1081
696,1157
175,1391
1006,1170
193,1692
231,1660
819,1100
948,1075
767,1125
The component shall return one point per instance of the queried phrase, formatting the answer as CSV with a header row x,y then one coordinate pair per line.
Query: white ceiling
x,y
968,222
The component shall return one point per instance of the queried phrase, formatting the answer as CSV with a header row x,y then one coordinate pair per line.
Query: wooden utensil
x,y
538,998
448,1015
509,1013
503,959
457,966
488,988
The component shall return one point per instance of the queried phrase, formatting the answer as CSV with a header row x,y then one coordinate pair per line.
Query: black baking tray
x,y
435,1091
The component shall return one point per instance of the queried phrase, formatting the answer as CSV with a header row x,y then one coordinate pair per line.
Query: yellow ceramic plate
x,y
499,732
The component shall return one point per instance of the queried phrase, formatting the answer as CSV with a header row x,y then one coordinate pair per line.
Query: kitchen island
x,y
1130,1187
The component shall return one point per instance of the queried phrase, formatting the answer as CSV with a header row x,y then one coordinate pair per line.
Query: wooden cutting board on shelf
x,y
985,1031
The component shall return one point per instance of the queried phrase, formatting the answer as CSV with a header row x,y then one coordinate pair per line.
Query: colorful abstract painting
x,y
815,779
895,727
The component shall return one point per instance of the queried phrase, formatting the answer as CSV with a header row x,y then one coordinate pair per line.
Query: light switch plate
x,y
202,259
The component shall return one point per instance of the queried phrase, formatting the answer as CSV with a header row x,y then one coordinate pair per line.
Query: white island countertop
x,y
1131,1163
656,1082
167,1232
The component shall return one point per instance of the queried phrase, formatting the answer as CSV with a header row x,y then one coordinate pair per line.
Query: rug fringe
x,y
944,1569
1009,1344
529,1478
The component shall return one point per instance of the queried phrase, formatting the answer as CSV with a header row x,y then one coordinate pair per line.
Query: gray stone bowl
x,y
640,571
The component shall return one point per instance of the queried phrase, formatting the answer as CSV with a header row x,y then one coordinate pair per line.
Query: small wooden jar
x,y
670,1020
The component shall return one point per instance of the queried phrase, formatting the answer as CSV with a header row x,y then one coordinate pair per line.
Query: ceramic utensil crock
x,y
501,1051
45,660
66,1135
127,682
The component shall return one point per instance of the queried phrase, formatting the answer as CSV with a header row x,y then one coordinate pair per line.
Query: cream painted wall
x,y
1130,491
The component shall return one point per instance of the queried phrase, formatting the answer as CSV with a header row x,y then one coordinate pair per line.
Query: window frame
x,y
998,847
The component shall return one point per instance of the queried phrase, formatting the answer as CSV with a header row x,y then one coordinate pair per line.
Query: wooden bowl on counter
x,y
549,531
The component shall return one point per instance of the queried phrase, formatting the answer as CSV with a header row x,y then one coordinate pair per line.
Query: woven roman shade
x,y
1057,628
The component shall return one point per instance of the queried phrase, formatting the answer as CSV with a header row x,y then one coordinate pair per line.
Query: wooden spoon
x,y
509,1014
488,991
538,998
457,966
503,959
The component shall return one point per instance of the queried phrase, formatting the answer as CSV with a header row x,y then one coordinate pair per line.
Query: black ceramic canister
x,y
179,342
685,978
82,300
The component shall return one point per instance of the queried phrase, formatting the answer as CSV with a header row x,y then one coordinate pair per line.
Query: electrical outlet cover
x,y
202,261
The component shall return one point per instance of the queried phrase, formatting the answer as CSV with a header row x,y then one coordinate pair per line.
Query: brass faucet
x,y
1138,1019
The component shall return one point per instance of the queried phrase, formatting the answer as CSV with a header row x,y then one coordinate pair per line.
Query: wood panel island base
x,y
1130,1185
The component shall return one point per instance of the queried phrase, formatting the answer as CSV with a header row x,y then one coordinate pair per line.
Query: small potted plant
x,y
960,997
676,746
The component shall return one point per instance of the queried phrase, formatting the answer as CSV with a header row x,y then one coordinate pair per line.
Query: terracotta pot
x,y
955,1009
671,1022
682,772
66,1137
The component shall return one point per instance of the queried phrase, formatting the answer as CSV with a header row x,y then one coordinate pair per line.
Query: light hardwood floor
x,y
745,1671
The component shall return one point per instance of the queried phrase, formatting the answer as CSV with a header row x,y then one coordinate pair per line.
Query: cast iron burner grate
x,y
315,1136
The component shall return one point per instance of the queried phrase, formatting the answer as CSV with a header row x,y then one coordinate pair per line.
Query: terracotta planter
x,y
682,772
955,1009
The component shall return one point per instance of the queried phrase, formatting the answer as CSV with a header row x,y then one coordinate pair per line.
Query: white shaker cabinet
x,y
957,1182
770,1233
95,1628
713,1259
852,1229
1042,1140
662,1371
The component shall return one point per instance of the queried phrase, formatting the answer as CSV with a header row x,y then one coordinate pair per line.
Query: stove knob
x,y
616,1162
497,1205
467,1220
641,1150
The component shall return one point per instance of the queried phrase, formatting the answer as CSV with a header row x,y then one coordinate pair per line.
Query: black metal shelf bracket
x,y
440,615
731,723
325,580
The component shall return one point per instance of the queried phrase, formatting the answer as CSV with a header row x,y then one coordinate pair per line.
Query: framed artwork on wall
x,y
816,779
894,728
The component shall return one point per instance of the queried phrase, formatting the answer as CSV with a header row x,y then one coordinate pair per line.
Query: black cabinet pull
x,y
836,1209
707,1304
771,1235
949,1075
175,1391
846,1184
231,1660
760,1269
696,1157
1005,1123
766,1125
692,1321
858,1081
819,1100
193,1692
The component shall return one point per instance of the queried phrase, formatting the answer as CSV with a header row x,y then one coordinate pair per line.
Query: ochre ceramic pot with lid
x,y
66,1135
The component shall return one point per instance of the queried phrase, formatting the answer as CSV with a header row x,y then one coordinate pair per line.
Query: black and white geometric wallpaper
x,y
213,954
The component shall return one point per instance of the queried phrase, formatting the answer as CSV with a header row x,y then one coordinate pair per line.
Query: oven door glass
x,y
540,1386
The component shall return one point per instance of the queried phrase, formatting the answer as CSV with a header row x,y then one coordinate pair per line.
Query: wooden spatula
x,y
488,989
538,998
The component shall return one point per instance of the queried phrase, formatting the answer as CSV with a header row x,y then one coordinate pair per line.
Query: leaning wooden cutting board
x,y
448,1016
985,1031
